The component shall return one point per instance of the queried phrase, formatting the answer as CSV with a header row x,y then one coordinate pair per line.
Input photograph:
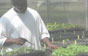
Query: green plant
x,y
17,51
71,50
55,26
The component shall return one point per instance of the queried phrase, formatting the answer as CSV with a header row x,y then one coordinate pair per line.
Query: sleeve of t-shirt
x,y
2,33
42,27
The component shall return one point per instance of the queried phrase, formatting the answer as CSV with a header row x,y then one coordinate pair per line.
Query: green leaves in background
x,y
71,50
17,51
55,26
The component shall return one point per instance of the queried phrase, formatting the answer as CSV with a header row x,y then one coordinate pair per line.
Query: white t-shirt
x,y
28,25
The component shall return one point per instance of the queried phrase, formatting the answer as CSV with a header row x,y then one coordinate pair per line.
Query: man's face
x,y
20,6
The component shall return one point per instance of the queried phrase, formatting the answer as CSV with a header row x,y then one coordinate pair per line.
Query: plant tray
x,y
36,53
83,54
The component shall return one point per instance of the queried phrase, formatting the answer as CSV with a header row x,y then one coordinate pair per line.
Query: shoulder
x,y
6,15
31,10
34,12
10,11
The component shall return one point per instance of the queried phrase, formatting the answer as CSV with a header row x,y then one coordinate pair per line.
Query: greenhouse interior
x,y
67,23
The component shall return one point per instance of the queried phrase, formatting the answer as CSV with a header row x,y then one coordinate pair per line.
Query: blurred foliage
x,y
55,26
71,50
15,52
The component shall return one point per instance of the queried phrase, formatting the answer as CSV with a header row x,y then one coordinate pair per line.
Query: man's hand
x,y
18,41
50,45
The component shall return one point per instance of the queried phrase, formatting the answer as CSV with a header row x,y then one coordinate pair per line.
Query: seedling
x,y
78,37
75,42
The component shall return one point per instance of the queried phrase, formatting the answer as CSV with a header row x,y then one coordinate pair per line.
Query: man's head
x,y
20,6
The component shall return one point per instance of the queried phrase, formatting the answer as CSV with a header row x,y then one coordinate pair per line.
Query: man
x,y
21,25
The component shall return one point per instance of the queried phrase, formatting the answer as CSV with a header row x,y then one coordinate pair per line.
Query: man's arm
x,y
4,40
17,41
44,33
